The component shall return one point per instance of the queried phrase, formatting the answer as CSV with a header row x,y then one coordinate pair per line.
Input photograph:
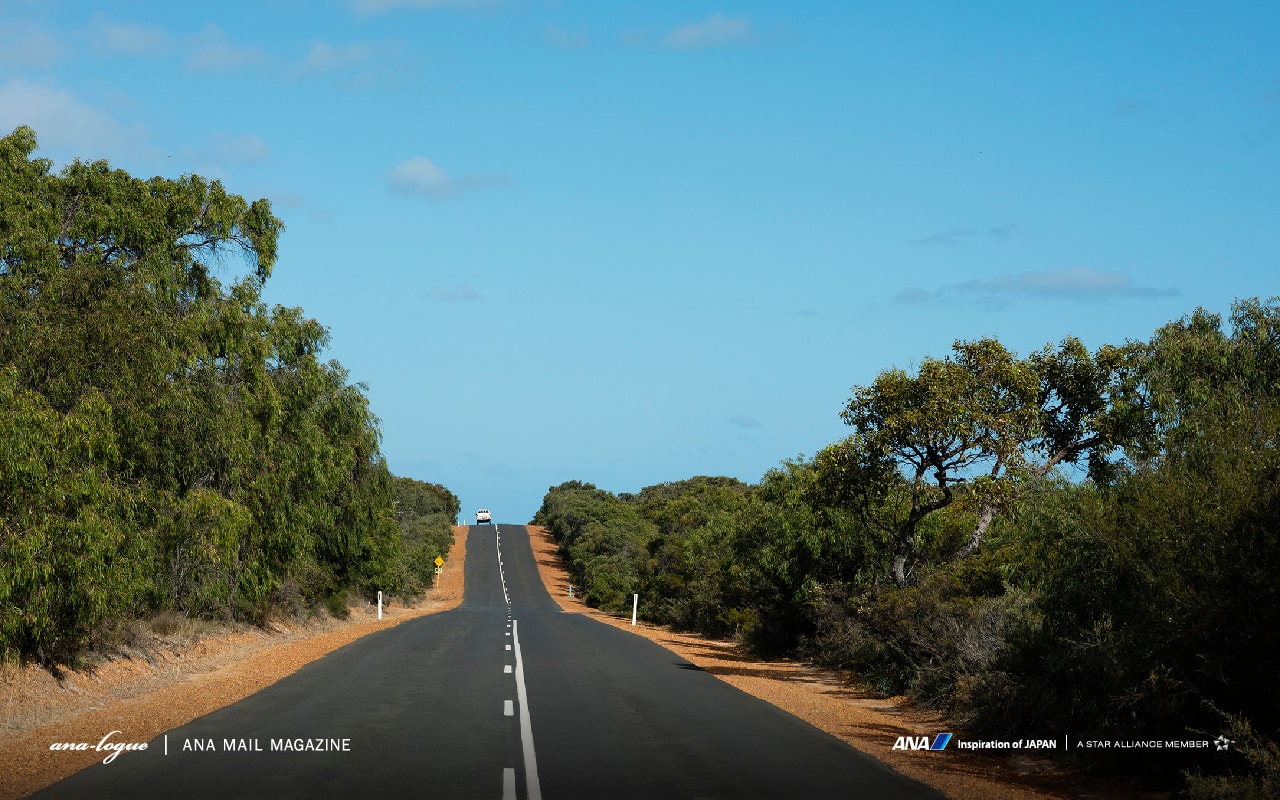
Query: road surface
x,y
504,697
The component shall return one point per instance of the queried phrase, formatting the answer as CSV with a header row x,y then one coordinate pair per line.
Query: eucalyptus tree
x,y
977,424
223,449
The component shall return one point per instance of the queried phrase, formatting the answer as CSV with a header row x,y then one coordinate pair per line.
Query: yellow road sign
x,y
439,561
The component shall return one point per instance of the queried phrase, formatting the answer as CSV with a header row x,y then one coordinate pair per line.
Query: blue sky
x,y
633,242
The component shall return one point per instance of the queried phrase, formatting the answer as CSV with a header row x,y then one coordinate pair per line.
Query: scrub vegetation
x,y
1071,542
168,443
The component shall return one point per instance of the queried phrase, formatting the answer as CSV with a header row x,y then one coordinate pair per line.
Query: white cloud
x,y
379,6
64,124
418,175
1081,284
714,31
126,38
744,422
26,46
358,65
212,51
324,57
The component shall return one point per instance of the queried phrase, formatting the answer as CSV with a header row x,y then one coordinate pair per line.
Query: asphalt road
x,y
505,697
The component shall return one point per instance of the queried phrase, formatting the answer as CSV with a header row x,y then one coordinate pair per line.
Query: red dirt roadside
x,y
828,702
170,685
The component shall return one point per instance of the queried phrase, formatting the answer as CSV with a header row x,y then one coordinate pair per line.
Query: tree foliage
x,y
977,426
1074,540
172,441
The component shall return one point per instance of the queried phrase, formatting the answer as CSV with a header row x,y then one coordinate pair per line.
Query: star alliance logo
x,y
1222,742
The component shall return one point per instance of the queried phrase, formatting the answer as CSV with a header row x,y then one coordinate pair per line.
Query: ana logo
x,y
940,742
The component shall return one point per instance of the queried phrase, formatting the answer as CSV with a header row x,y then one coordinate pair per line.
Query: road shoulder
x,y
149,694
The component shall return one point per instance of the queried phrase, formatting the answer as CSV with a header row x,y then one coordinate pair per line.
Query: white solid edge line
x,y
509,783
533,788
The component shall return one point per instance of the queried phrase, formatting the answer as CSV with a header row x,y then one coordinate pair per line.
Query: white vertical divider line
x,y
497,539
509,783
533,788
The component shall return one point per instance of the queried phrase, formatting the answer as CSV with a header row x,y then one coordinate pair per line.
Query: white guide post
x,y
635,603
379,604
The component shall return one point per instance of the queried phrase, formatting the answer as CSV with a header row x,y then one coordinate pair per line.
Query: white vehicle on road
x,y
483,516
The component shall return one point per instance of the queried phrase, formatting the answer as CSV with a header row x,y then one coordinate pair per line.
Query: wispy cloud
x,y
126,38
743,422
945,237
914,295
714,31
64,123
356,66
564,39
212,51
367,7
25,45
419,176
1080,284
324,57
958,235
244,149
454,294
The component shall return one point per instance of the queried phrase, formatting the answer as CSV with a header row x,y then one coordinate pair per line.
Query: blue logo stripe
x,y
941,741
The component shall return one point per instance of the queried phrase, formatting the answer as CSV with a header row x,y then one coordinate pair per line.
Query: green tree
x,y
425,513
976,426
229,465
604,539
70,557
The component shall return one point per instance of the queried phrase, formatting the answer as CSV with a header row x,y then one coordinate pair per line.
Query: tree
x,y
207,460
976,424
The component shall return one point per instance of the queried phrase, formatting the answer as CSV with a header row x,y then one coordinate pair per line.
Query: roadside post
x,y
635,604
379,604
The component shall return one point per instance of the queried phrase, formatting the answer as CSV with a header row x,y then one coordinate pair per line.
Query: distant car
x,y
483,516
